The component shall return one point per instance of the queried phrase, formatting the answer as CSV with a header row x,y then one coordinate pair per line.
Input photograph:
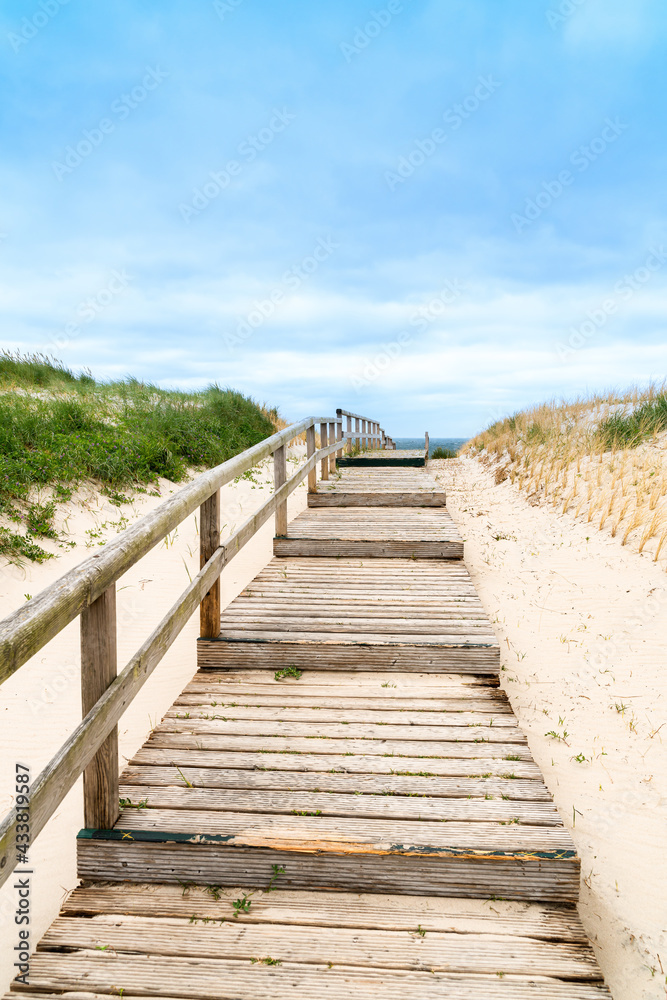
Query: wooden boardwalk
x,y
341,802
388,459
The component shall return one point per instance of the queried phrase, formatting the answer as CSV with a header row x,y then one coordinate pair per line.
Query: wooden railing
x,y
365,434
89,591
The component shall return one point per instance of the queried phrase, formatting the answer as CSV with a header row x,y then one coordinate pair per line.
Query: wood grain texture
x,y
53,975
380,949
388,459
98,672
209,540
309,866
350,614
373,911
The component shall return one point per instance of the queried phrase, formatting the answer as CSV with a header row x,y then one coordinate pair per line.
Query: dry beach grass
x,y
602,459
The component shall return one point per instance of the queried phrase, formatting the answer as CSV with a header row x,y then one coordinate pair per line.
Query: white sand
x,y
41,704
583,627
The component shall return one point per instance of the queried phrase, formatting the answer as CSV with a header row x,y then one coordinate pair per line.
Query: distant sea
x,y
452,443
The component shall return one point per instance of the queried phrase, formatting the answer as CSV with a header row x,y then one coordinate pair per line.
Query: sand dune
x,y
583,628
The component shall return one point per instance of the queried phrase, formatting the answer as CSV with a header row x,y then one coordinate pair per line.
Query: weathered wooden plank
x,y
373,714
404,687
349,834
323,654
186,755
356,498
385,459
176,722
427,750
353,804
307,547
279,479
380,949
226,979
209,541
542,921
309,866
451,629
324,441
311,448
325,781
98,672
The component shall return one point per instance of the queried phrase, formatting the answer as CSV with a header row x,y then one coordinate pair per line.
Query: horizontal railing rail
x,y
89,591
365,434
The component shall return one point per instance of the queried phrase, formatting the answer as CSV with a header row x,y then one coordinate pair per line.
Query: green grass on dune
x,y
59,430
628,431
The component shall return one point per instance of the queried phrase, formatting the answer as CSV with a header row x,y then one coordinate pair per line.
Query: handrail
x,y
365,430
87,587
26,630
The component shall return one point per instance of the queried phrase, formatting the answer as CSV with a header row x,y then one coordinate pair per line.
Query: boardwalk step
x,y
345,614
382,532
436,800
373,488
386,459
192,941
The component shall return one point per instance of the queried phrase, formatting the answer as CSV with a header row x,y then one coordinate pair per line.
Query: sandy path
x,y
583,628
41,704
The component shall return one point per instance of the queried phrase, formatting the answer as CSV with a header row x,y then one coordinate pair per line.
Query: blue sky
x,y
434,212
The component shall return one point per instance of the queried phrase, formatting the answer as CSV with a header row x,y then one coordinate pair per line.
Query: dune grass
x,y
603,458
59,430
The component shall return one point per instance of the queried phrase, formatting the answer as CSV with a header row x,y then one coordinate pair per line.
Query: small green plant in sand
x,y
292,671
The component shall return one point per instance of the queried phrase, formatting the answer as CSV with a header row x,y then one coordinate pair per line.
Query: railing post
x,y
310,451
350,444
279,478
364,431
98,671
209,541
323,444
332,438
339,437
357,439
